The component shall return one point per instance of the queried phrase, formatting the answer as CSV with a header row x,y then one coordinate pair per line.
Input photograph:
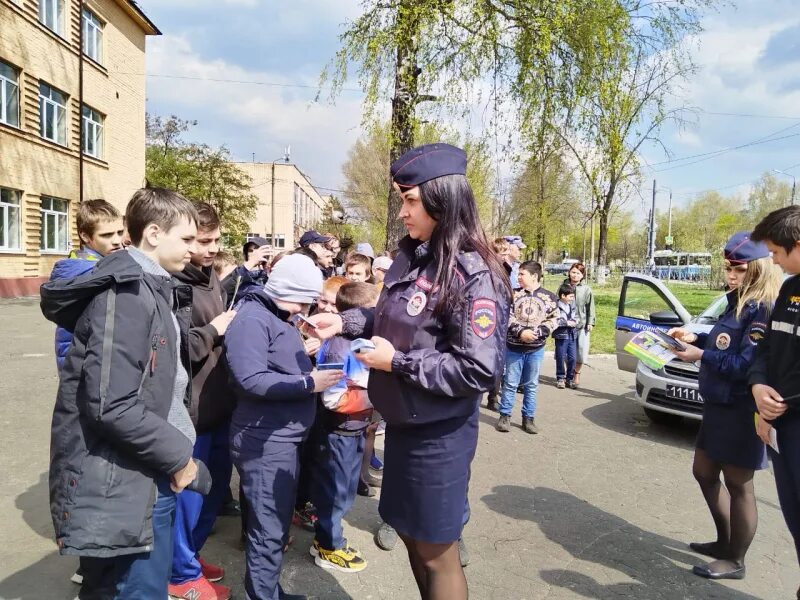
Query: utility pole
x,y
651,246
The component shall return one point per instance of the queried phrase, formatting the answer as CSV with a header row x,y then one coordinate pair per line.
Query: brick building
x,y
298,205
72,127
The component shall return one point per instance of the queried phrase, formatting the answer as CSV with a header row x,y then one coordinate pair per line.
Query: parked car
x,y
561,268
645,303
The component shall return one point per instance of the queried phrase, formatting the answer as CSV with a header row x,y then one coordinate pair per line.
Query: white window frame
x,y
7,207
51,15
92,36
9,89
50,104
60,222
92,143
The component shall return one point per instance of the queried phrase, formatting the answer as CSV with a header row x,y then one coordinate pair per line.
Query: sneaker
x,y
463,553
199,589
492,403
305,517
364,489
503,423
230,509
314,549
386,537
560,384
375,463
77,577
529,425
342,559
211,572
572,385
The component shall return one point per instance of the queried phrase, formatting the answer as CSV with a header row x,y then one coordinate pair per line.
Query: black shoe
x,y
284,596
364,489
705,571
230,509
463,553
386,537
712,549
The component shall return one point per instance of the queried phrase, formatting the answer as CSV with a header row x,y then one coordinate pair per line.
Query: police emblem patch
x,y
416,304
484,317
757,332
723,341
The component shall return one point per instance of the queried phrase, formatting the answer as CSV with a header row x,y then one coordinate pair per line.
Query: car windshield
x,y
712,313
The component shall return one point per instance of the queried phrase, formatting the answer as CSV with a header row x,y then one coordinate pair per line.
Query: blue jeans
x,y
522,368
135,576
195,514
337,466
566,351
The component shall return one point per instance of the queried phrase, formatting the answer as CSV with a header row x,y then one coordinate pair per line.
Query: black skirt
x,y
426,476
728,436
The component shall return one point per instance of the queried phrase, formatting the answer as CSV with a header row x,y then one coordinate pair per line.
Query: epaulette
x,y
471,263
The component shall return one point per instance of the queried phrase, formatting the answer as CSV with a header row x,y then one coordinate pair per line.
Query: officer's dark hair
x,y
565,289
781,227
248,248
532,267
450,201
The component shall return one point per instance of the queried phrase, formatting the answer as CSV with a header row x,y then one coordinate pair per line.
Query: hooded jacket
x,y
110,437
212,399
269,370
76,264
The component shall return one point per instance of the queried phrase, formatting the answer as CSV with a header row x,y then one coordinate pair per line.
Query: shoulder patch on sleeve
x,y
757,332
483,317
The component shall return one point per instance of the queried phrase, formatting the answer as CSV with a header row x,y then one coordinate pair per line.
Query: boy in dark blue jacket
x,y
565,336
100,230
274,386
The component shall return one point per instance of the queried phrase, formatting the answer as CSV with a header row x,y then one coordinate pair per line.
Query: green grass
x,y
607,302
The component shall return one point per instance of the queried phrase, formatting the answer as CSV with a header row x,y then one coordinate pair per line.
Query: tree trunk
x,y
541,234
602,243
403,104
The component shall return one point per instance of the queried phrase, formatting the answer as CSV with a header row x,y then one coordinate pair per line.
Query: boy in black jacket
x,y
775,374
121,441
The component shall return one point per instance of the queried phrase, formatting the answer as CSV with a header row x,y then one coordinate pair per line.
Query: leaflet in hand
x,y
653,348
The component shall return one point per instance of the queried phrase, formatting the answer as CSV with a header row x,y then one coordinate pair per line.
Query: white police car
x,y
672,391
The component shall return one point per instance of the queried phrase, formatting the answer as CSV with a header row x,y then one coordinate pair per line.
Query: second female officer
x,y
727,441
440,329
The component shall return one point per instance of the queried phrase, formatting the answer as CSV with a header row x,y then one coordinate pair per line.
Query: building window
x,y
51,14
92,132
92,36
55,224
9,219
52,114
9,95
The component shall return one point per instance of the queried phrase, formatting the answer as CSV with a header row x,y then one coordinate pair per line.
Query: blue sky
x,y
749,56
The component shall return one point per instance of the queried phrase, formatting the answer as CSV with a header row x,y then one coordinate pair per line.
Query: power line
x,y
748,115
239,81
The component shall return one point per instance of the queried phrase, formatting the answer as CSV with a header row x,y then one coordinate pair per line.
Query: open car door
x,y
644,303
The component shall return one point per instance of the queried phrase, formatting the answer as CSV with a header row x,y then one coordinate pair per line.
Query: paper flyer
x,y
651,348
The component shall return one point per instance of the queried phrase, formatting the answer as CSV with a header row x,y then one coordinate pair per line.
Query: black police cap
x,y
428,162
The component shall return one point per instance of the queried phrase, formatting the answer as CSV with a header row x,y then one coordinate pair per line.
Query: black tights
x,y
437,569
732,506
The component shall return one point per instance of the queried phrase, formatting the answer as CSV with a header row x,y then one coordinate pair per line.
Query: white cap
x,y
382,262
365,248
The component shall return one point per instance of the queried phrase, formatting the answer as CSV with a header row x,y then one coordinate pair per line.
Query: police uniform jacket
x,y
729,350
443,363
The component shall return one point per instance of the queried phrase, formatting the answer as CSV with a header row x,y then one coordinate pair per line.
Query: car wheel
x,y
662,418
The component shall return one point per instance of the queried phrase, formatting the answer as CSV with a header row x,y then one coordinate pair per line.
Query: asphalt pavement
x,y
601,504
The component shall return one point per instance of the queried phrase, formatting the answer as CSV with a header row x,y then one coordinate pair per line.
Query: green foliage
x,y
199,172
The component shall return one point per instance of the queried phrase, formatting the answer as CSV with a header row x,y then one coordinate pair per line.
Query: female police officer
x,y
727,440
440,329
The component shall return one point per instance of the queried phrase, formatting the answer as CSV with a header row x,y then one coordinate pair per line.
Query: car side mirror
x,y
665,318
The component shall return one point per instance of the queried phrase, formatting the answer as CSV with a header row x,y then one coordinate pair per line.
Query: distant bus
x,y
682,266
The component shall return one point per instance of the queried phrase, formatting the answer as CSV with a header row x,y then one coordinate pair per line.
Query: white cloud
x,y
253,118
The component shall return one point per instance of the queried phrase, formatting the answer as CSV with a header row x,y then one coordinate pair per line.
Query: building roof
x,y
137,14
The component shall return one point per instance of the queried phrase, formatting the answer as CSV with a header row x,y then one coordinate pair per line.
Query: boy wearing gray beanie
x,y
275,385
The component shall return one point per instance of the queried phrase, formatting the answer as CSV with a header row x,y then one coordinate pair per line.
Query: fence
x,y
707,276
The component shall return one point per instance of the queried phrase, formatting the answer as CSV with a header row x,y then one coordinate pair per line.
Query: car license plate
x,y
678,392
